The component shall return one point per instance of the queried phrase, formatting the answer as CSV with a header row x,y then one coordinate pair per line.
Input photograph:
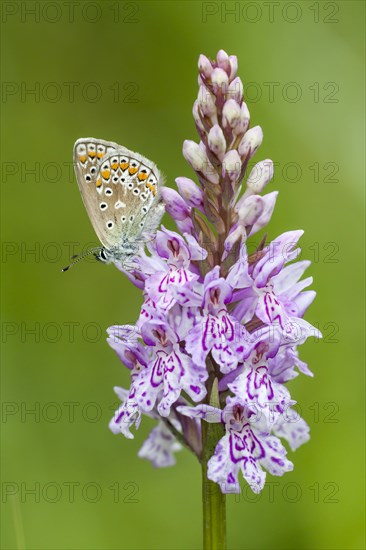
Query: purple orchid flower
x,y
177,254
246,446
215,330
214,317
160,446
169,372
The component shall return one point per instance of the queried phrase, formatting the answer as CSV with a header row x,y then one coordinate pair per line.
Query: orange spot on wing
x,y
124,165
106,174
100,155
114,165
132,170
99,182
152,188
82,158
142,176
92,154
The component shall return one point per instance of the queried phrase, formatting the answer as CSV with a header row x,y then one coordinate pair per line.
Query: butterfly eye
x,y
110,224
136,191
130,185
93,170
87,177
108,191
144,209
123,219
103,205
103,255
115,179
143,197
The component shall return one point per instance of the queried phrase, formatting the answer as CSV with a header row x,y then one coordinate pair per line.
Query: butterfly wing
x,y
120,190
88,153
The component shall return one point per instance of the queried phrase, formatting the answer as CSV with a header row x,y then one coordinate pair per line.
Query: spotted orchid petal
x,y
127,414
160,446
293,428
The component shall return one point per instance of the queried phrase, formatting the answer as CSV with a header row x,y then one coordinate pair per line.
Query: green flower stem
x,y
213,500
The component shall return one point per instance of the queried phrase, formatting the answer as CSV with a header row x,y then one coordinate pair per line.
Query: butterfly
x,y
121,193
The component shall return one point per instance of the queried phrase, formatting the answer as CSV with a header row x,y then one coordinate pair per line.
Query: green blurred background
x,y
126,71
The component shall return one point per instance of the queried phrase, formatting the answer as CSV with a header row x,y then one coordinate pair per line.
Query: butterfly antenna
x,y
79,258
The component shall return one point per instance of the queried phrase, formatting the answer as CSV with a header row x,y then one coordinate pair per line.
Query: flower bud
x,y
235,90
220,81
185,226
244,119
174,204
234,66
197,158
193,153
230,113
235,234
269,202
190,192
250,210
223,61
261,174
206,101
217,142
210,173
231,165
197,117
250,142
204,66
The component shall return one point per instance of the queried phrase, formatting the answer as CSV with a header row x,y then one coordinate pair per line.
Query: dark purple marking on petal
x,y
231,478
119,417
228,328
157,372
163,285
174,363
277,461
207,329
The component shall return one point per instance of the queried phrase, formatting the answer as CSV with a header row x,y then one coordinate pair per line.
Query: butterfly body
x,y
122,253
121,193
